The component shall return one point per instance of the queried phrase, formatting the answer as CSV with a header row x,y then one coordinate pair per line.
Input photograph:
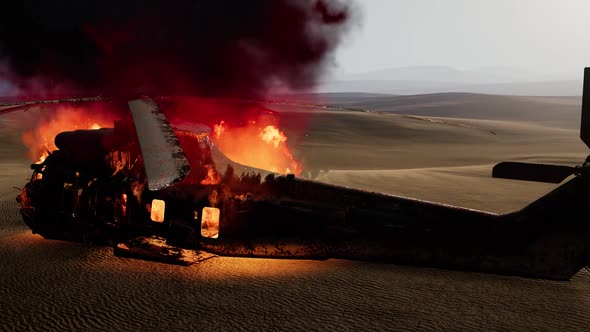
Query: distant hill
x,y
437,79
552,88
488,75
563,112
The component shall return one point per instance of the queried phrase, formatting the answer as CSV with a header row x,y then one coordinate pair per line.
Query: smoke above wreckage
x,y
212,48
207,47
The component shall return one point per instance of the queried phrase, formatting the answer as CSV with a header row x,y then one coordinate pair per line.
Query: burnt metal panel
x,y
163,157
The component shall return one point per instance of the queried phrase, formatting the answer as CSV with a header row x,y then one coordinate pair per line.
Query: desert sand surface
x,y
55,285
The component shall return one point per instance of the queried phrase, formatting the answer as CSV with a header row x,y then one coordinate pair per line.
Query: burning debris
x,y
102,183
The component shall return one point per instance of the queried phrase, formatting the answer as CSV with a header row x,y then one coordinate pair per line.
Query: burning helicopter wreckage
x,y
153,191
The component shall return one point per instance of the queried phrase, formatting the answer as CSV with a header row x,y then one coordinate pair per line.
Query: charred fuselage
x,y
95,187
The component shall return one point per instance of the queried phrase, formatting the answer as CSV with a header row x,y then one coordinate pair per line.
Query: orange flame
x,y
272,135
213,176
218,129
40,140
258,144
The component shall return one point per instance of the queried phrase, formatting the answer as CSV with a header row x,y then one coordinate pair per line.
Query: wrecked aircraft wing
x,y
164,159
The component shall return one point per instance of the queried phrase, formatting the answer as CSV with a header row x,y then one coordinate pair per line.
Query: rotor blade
x,y
585,122
532,172
9,109
53,101
13,106
163,157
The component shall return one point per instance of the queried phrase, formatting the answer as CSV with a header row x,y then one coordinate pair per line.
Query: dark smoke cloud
x,y
206,47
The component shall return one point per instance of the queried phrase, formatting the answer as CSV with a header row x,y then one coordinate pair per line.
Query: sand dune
x,y
361,140
53,285
437,159
553,111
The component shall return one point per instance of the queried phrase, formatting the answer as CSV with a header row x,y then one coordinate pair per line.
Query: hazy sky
x,y
546,36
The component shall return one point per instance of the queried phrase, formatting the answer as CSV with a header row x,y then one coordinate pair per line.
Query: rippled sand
x,y
54,285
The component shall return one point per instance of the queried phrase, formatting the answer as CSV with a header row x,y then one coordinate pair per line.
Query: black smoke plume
x,y
204,47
